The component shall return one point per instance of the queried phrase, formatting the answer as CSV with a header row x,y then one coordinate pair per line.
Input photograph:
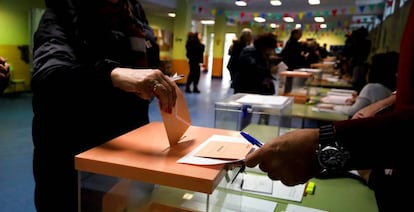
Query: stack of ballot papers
x,y
219,149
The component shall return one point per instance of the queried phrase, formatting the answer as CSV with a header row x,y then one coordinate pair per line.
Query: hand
x,y
147,83
290,158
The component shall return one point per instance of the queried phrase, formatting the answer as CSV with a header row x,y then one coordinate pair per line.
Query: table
x,y
144,155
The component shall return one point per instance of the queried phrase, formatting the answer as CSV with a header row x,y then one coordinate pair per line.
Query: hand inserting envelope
x,y
179,120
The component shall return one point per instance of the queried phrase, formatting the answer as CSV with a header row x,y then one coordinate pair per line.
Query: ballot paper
x,y
178,121
336,99
193,158
298,208
262,99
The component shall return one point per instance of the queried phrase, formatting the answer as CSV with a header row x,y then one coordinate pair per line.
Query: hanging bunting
x,y
213,12
352,10
361,8
300,15
334,11
242,14
278,16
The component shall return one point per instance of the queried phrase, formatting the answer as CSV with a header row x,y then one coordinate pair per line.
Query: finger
x,y
163,93
255,157
171,93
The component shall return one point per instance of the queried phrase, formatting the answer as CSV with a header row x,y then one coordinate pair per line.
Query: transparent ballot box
x,y
242,109
101,193
140,171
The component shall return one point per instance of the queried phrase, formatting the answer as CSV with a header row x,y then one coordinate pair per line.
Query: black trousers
x,y
194,75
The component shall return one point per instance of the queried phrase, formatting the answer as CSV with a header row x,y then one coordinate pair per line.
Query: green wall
x,y
14,20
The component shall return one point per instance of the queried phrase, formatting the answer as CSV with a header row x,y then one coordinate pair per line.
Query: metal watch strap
x,y
326,134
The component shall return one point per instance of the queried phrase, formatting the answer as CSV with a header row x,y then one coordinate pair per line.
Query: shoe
x,y
187,90
196,91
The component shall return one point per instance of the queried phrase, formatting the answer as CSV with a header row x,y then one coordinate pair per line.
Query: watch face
x,y
331,158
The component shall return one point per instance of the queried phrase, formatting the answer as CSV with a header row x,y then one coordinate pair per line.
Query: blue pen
x,y
251,139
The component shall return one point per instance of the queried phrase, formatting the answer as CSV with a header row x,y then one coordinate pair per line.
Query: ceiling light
x,y
298,26
273,25
275,2
241,3
319,19
171,14
314,2
259,19
207,22
288,19
323,26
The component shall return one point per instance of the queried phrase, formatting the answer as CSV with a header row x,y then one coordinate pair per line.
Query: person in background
x,y
4,74
245,39
323,51
254,74
279,48
90,84
256,66
293,55
382,81
195,51
356,52
356,144
294,52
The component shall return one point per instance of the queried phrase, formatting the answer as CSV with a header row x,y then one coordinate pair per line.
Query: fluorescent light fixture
x,y
259,19
241,3
275,2
288,19
171,14
207,22
273,25
298,26
314,2
319,19
323,26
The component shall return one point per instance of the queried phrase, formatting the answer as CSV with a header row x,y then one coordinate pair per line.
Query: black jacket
x,y
74,103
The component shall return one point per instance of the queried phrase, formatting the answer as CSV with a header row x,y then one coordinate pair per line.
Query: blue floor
x,y
16,181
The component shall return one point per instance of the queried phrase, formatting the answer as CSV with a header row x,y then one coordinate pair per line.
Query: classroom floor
x,y
16,180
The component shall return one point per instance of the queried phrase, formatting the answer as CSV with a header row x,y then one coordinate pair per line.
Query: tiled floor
x,y
16,181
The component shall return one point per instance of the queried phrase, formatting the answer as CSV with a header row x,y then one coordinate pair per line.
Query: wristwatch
x,y
332,155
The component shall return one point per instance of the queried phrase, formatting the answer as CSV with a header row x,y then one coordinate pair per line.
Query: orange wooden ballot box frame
x,y
144,155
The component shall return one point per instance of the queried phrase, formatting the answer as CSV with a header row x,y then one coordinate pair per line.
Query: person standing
x,y
293,55
254,75
195,51
4,74
245,39
90,84
294,52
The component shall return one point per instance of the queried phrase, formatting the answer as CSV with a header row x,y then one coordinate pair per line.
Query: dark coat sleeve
x,y
384,141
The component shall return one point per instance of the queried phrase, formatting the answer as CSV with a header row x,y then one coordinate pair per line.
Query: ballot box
x,y
241,109
139,171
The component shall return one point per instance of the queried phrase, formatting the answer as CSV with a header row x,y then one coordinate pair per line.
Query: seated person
x,y
382,81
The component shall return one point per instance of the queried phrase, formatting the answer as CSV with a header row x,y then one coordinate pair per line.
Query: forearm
x,y
373,141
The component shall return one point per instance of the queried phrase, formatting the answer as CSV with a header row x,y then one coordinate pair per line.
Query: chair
x,y
14,82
